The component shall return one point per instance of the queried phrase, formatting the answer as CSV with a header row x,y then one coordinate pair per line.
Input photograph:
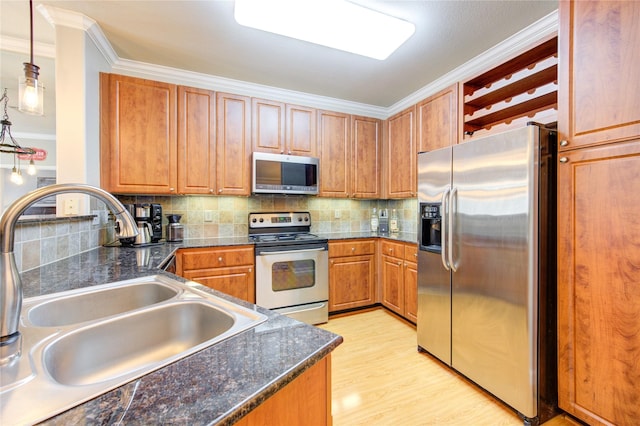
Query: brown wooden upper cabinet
x,y
281,128
196,141
400,155
138,135
233,144
159,138
349,149
334,136
300,126
438,120
598,78
365,157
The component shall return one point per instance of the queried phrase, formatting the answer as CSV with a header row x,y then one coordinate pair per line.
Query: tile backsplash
x,y
229,214
45,241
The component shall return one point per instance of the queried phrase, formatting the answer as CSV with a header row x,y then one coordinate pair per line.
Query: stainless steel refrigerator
x,y
486,265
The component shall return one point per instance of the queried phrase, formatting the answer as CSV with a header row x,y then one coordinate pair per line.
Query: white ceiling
x,y
202,36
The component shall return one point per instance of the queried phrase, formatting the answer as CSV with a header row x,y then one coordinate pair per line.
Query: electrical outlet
x,y
337,214
71,206
208,215
96,217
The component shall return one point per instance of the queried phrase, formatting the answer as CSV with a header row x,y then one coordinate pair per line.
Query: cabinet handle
x,y
399,263
211,191
353,249
415,255
220,190
250,269
564,142
564,160
220,259
172,189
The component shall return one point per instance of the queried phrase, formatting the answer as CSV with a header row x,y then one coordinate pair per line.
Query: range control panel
x,y
279,219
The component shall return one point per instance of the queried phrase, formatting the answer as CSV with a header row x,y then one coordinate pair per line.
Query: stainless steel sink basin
x,y
112,348
91,304
68,358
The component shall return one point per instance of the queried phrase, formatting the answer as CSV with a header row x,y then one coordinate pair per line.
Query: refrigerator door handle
x,y
443,230
452,198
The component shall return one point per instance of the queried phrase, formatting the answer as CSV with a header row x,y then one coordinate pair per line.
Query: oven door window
x,y
293,274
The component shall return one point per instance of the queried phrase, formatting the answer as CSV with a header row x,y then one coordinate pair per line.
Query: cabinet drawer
x,y
351,248
203,258
392,249
411,252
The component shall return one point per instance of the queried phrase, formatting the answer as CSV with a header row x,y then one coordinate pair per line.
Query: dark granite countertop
x,y
217,385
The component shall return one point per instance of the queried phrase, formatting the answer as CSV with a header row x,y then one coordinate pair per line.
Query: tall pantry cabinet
x,y
598,205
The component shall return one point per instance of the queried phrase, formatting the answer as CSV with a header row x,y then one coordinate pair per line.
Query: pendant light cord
x,y
31,26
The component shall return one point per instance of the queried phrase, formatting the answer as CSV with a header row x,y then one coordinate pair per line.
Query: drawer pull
x,y
564,142
220,259
564,160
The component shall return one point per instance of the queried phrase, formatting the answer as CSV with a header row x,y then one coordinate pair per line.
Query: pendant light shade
x,y
30,91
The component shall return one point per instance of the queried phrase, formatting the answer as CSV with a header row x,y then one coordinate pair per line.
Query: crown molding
x,y
522,40
222,84
19,45
66,18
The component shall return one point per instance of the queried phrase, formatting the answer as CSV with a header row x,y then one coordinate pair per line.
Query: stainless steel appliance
x,y
284,174
292,266
486,268
175,231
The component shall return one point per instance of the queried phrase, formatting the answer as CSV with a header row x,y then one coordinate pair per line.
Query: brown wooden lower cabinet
x,y
227,269
304,401
599,283
352,275
399,278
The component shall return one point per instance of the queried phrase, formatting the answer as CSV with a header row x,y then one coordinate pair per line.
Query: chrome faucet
x,y
10,283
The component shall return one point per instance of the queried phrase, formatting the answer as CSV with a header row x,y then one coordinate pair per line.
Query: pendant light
x,y
30,91
8,145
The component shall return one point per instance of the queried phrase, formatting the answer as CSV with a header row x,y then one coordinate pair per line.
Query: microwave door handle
x,y
291,251
443,230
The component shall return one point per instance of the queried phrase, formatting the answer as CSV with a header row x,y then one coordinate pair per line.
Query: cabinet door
x,y
351,282
365,157
237,281
196,141
268,126
334,138
411,291
438,120
599,283
301,131
304,401
393,284
233,144
138,135
598,82
400,155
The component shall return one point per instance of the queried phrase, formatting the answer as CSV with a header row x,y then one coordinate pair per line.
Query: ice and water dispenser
x,y
430,221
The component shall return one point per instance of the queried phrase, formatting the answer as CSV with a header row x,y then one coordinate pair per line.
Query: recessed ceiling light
x,y
337,24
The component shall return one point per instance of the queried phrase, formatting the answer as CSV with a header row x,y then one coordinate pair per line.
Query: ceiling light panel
x,y
337,24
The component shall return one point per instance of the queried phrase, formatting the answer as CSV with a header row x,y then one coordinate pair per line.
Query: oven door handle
x,y
263,253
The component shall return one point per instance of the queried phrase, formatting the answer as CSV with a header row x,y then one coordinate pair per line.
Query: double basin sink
x,y
82,343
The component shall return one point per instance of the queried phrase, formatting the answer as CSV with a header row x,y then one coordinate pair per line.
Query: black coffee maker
x,y
151,213
156,223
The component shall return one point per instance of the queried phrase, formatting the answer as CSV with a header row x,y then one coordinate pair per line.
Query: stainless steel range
x,y
292,266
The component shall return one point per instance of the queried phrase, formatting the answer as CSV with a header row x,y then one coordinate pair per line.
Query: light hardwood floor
x,y
379,378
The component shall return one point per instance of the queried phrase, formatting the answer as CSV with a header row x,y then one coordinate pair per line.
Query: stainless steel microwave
x,y
284,174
